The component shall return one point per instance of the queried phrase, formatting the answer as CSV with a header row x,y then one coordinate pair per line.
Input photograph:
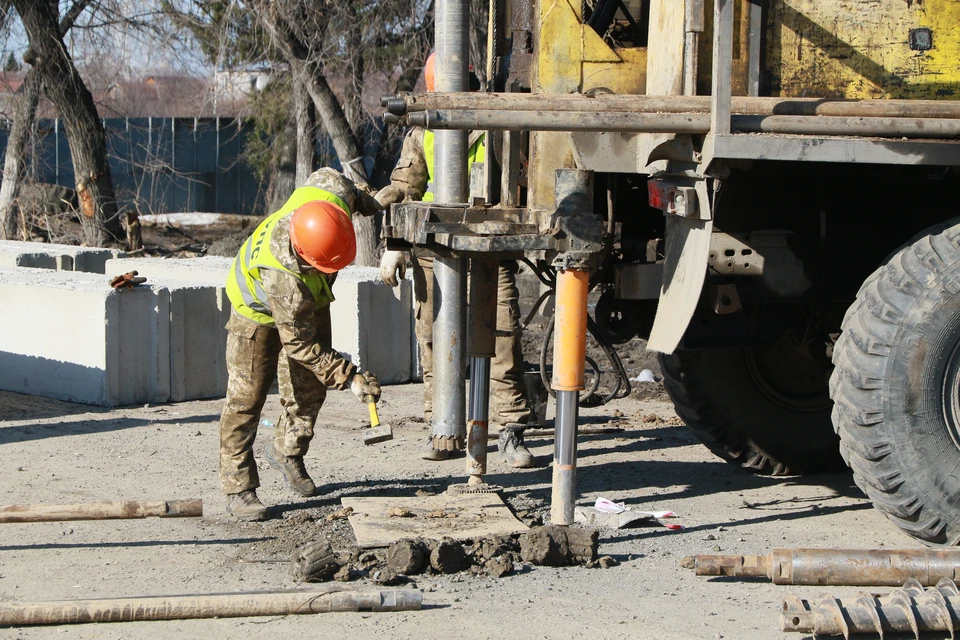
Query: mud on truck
x,y
765,190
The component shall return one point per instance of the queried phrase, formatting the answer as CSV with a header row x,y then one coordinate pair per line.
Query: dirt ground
x,y
55,452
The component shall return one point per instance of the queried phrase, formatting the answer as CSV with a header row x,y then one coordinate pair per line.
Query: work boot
x,y
512,449
435,455
246,506
293,470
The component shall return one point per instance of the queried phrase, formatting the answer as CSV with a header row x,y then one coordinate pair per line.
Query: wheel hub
x,y
790,374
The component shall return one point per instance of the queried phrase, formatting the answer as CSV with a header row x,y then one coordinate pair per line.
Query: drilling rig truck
x,y
765,190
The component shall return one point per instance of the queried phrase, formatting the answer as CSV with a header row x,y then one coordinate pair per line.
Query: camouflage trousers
x,y
254,356
508,400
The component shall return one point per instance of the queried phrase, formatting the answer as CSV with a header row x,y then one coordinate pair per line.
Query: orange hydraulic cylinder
x,y
570,338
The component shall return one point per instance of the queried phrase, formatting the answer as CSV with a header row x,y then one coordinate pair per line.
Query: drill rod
x,y
481,347
101,511
842,567
906,610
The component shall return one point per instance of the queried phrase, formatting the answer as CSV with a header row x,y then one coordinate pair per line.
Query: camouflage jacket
x,y
292,304
411,175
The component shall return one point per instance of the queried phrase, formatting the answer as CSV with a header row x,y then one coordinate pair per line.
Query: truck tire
x,y
896,386
721,395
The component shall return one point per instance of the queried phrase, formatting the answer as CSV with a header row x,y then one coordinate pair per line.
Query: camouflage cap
x,y
336,183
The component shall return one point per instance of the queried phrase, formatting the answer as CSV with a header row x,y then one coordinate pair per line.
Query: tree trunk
x,y
365,227
306,119
284,179
345,142
14,165
75,106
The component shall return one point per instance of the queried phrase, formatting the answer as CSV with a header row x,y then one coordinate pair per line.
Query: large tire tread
x,y
689,401
871,328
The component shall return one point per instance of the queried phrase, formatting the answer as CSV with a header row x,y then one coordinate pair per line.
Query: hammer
x,y
377,432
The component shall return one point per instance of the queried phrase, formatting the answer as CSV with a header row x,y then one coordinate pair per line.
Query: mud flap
x,y
687,247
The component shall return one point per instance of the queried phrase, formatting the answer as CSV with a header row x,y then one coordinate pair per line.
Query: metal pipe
x,y
693,25
481,347
449,333
450,274
569,349
321,599
477,420
101,511
617,122
906,610
608,103
846,567
564,490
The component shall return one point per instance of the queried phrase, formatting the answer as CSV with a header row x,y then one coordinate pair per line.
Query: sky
x,y
125,50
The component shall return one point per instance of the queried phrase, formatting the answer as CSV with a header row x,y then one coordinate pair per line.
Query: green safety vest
x,y
244,284
476,153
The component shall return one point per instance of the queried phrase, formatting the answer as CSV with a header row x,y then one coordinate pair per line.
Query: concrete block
x,y
371,323
70,336
62,257
207,270
198,340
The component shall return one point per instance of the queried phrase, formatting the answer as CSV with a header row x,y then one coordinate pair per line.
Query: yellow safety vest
x,y
476,153
244,284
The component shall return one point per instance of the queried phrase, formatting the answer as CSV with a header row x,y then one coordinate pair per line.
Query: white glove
x,y
393,267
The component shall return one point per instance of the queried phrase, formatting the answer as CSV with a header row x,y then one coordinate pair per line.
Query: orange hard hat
x,y
322,234
428,71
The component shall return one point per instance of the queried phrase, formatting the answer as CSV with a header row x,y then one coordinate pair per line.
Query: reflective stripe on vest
x,y
244,282
476,153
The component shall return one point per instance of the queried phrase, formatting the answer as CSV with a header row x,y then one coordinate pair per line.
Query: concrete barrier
x,y
70,336
372,323
207,270
62,257
198,340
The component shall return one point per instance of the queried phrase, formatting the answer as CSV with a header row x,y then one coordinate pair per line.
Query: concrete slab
x,y
62,257
207,270
74,338
463,517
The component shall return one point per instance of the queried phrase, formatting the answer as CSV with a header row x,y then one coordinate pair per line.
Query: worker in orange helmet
x,y
279,287
413,179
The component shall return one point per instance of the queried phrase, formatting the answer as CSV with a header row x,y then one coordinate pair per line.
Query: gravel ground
x,y
55,452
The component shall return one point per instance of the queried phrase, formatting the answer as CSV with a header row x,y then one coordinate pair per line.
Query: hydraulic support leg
x,y
569,351
481,347
450,274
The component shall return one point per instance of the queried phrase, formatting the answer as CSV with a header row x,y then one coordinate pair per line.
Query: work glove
x,y
365,384
393,267
366,204
390,195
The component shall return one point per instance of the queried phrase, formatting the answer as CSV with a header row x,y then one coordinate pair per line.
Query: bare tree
x,y
25,112
14,165
74,103
328,50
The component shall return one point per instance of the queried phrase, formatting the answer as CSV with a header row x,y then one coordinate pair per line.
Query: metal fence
x,y
161,165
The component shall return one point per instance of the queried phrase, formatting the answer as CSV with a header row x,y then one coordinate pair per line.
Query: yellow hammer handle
x,y
374,418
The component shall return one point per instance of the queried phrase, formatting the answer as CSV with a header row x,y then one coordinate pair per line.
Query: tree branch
x,y
72,14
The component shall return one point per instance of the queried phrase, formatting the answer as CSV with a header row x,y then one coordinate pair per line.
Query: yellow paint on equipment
x,y
860,49
572,58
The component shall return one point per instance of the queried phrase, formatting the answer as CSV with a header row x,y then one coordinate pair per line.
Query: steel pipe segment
x,y
936,128
611,103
